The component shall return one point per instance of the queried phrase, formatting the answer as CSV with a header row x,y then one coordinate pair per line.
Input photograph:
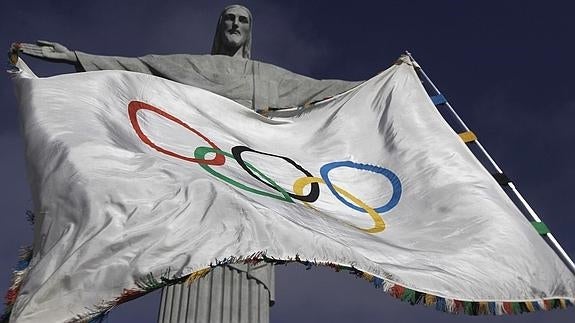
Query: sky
x,y
504,66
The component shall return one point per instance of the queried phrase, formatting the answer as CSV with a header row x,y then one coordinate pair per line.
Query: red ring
x,y
135,106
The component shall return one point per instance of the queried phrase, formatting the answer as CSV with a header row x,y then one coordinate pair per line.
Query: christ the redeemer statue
x,y
237,292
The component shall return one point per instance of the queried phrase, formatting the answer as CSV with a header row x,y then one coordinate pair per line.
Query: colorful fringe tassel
x,y
19,272
150,283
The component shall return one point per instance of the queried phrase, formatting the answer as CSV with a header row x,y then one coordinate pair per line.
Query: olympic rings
x,y
135,106
395,183
379,224
299,184
311,197
201,152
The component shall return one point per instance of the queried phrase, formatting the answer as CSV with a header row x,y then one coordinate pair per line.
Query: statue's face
x,y
236,27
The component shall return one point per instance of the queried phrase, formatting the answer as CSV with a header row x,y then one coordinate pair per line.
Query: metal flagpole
x,y
563,255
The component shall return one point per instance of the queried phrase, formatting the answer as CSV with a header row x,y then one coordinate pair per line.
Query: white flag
x,y
139,182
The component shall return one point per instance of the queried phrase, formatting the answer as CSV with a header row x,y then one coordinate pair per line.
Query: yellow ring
x,y
302,182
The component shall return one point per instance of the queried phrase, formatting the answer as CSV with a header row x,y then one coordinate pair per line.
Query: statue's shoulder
x,y
214,62
176,58
205,58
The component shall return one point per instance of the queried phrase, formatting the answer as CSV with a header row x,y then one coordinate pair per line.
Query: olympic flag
x,y
140,182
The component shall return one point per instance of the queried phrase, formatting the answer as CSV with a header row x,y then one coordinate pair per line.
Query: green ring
x,y
201,152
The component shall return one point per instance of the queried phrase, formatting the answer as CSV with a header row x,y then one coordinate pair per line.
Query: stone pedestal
x,y
228,294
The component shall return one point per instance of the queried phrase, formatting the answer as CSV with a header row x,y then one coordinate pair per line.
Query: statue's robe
x,y
256,85
251,83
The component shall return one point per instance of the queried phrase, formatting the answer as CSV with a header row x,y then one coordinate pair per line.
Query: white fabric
x,y
111,209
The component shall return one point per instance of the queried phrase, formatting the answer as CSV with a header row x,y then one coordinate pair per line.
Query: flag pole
x,y
557,247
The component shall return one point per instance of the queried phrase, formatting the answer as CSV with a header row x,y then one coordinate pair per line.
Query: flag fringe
x,y
150,283
21,269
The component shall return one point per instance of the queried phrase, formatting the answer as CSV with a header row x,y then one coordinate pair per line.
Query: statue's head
x,y
234,32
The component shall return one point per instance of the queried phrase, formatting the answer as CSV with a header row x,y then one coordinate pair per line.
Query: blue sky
x,y
504,66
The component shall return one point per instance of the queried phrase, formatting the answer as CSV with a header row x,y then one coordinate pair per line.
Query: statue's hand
x,y
14,52
50,51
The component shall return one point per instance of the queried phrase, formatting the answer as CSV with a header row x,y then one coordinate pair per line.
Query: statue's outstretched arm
x,y
49,51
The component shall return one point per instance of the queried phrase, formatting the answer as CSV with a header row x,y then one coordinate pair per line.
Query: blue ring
x,y
393,179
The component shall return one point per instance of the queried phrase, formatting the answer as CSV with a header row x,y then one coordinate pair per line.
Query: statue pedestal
x,y
228,294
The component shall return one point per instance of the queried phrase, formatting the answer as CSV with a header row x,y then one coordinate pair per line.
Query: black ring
x,y
314,192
